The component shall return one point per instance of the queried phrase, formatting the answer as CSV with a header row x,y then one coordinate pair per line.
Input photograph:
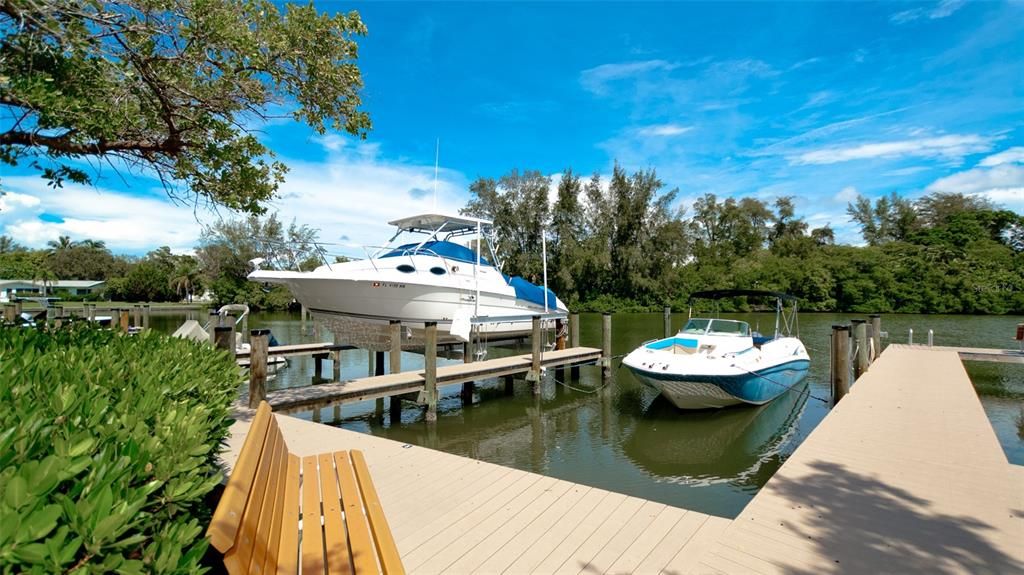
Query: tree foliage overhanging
x,y
173,89
618,245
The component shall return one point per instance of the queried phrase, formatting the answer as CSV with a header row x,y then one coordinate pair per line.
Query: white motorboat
x,y
434,279
715,362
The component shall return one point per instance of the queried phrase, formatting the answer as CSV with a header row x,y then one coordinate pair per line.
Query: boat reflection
x,y
740,446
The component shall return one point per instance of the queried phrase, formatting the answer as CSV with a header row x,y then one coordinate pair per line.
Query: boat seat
x,y
285,514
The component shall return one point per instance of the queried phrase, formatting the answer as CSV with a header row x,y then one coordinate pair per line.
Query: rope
x,y
788,387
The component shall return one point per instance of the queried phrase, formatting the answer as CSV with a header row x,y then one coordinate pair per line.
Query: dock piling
x,y
876,334
468,387
9,313
395,361
137,315
840,362
606,346
430,369
910,336
147,311
931,336
668,321
533,376
574,341
860,346
123,323
259,342
223,337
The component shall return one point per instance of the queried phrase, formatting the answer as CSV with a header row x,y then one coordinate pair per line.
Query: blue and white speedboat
x,y
716,362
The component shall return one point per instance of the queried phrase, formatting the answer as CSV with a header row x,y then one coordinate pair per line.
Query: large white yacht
x,y
433,279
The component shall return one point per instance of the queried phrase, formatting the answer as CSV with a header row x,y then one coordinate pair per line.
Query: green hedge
x,y
107,450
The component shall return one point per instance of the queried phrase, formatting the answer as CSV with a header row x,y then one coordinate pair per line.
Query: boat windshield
x,y
717,327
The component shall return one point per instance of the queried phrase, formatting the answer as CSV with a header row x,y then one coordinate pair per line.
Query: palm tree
x,y
60,244
93,244
45,276
8,245
185,278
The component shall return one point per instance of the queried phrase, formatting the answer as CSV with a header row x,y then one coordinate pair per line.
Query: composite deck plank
x,y
611,550
533,555
645,541
446,547
678,537
527,537
522,517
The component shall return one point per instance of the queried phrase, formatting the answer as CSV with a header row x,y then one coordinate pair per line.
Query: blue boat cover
x,y
532,293
447,250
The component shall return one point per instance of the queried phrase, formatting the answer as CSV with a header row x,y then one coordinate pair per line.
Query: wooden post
x,y
9,314
606,346
17,307
90,311
318,367
378,364
259,342
509,384
370,363
574,341
395,355
860,344
840,362
123,323
136,315
467,386
876,333
147,310
213,323
430,369
336,365
668,321
223,337
533,376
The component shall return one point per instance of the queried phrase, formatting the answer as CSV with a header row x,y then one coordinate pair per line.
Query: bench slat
x,y
270,515
363,554
338,556
237,559
390,561
312,531
288,551
228,516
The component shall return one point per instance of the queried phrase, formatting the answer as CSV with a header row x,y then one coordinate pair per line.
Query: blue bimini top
x,y
447,250
532,293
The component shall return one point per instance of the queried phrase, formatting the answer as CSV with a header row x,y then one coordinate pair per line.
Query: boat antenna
x,y
437,157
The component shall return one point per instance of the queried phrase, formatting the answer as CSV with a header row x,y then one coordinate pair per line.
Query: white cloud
x,y
951,147
663,130
11,201
943,9
846,195
596,79
1003,184
127,223
1013,155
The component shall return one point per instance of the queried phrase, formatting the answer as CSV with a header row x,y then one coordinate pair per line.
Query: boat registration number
x,y
388,285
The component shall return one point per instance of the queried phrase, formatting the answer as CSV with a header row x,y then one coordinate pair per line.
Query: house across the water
x,y
13,289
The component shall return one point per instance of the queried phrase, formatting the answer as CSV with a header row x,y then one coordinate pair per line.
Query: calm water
x,y
625,438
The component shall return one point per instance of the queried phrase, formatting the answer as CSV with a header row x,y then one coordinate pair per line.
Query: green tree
x,y
8,245
172,88
186,278
891,218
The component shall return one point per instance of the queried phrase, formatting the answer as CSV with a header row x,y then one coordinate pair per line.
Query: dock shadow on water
x,y
862,523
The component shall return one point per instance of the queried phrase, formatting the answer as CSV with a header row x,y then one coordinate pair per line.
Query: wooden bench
x,y
280,513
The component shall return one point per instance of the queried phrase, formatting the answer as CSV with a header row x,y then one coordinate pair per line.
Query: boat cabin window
x,y
437,271
406,269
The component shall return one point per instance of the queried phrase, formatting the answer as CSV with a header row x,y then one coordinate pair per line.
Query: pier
x,y
318,396
905,474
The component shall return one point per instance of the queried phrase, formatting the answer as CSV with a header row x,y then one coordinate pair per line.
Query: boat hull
x,y
697,391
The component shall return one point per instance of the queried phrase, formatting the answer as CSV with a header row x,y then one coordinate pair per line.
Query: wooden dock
x,y
905,475
295,350
318,396
979,353
452,514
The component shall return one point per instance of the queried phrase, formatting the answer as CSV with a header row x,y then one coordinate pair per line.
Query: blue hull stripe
x,y
755,387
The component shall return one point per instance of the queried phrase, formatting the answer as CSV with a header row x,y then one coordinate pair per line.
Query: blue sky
x,y
817,100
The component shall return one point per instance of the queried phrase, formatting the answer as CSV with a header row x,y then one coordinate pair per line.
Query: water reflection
x,y
727,445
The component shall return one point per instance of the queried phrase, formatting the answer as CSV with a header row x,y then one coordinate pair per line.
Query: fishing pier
x,y
904,474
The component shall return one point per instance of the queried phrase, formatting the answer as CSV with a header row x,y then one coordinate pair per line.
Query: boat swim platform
x,y
904,475
310,397
453,514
